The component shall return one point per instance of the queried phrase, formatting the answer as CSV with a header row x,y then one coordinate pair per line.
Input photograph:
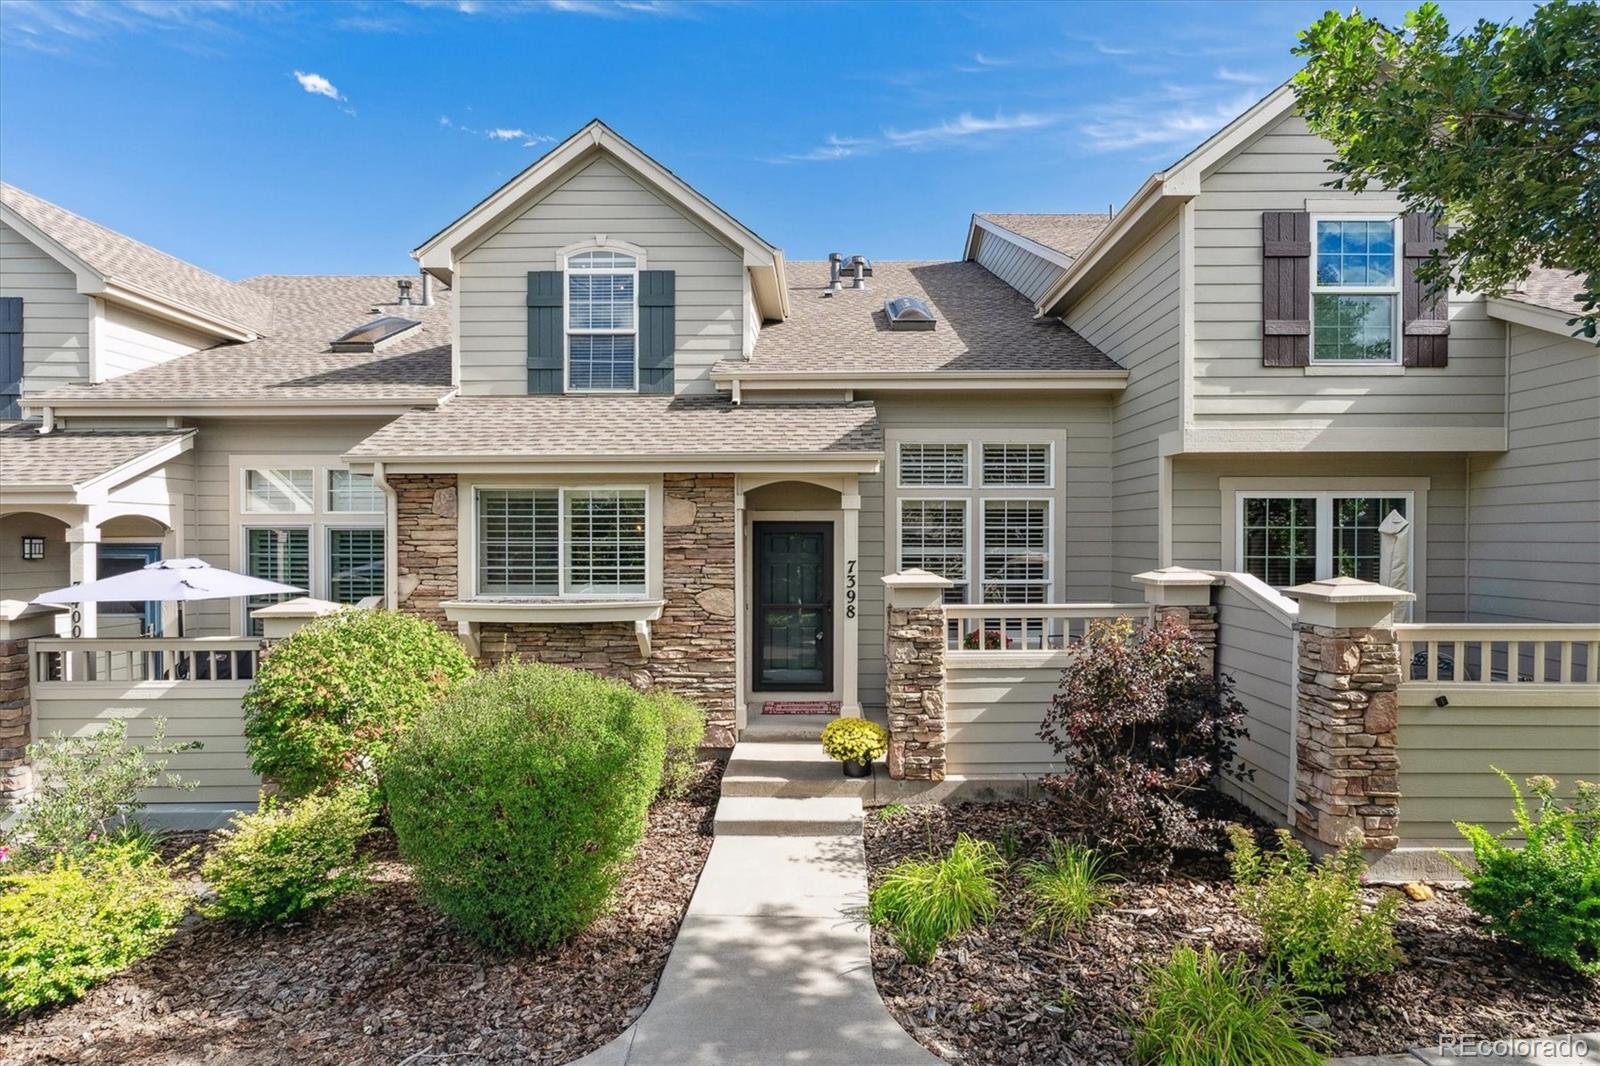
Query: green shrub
x,y
854,738
1317,930
330,699
1544,895
68,926
1203,1010
1064,889
86,789
519,798
282,861
924,902
685,725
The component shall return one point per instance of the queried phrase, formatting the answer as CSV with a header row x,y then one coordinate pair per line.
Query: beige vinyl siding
x,y
21,580
992,720
601,198
1446,755
1082,567
1029,274
1133,316
55,316
1255,647
1280,171
1536,509
1197,502
131,341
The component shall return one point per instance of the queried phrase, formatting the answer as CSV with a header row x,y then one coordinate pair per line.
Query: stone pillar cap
x,y
299,607
915,578
1176,576
1348,590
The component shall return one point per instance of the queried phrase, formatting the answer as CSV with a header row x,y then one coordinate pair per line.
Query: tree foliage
x,y
1495,130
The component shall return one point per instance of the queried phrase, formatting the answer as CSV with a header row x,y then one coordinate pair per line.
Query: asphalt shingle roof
x,y
122,259
69,457
984,325
294,363
599,427
1067,234
1553,288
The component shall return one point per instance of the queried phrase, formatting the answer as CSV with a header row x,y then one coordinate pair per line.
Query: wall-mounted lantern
x,y
32,549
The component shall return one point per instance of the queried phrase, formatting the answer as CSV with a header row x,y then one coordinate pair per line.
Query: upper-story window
x,y
602,316
1355,290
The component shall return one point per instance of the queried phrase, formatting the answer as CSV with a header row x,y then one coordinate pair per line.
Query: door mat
x,y
800,707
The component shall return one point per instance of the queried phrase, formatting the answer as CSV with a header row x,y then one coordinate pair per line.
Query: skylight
x,y
367,336
908,312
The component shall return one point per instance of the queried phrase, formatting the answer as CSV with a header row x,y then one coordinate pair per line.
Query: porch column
x,y
1347,773
850,502
916,648
1184,594
83,549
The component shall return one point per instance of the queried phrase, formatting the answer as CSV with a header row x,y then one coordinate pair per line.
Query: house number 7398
x,y
849,588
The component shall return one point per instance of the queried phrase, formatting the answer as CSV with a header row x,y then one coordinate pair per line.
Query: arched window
x,y
602,317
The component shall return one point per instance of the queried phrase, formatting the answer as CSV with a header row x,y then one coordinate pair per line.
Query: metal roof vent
x,y
369,336
909,312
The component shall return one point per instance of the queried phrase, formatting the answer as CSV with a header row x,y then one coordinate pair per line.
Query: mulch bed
x,y
381,978
995,995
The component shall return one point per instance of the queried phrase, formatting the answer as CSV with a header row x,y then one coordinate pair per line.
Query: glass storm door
x,y
793,606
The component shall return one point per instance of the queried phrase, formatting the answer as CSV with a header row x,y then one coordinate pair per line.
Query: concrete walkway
x,y
772,964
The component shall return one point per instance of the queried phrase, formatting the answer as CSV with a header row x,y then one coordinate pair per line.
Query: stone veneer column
x,y
916,638
1184,594
692,643
426,553
1347,773
16,706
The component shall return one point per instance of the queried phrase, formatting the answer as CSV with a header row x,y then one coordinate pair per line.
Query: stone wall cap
x,y
1348,590
915,578
1177,576
299,607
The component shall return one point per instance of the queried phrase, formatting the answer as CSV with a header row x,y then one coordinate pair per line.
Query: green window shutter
x,y
657,330
545,356
10,356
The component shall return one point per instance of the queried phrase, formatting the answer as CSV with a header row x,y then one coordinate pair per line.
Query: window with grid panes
x,y
279,491
1280,539
355,564
1356,540
606,541
933,464
352,493
933,537
602,321
519,545
282,555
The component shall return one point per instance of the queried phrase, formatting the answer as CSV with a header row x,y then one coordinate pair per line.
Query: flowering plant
x,y
847,739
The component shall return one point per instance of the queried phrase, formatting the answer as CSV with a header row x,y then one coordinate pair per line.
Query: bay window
x,y
1355,290
562,542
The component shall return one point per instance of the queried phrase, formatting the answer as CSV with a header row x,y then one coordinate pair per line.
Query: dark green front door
x,y
794,607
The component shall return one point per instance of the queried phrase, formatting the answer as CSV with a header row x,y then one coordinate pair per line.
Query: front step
x,y
776,816
794,769
786,727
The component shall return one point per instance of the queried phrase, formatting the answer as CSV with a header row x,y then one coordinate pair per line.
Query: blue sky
x,y
334,137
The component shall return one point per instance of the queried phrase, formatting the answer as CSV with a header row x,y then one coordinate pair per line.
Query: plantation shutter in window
x,y
10,357
1285,288
545,355
657,330
1425,333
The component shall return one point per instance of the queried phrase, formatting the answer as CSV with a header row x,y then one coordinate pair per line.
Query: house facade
x,y
610,425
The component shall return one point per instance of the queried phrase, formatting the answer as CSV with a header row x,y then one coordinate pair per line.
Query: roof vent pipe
x,y
405,292
427,289
835,261
858,264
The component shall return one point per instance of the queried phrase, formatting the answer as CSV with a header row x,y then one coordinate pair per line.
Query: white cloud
x,y
500,133
591,8
1239,77
536,139
965,127
1168,119
317,85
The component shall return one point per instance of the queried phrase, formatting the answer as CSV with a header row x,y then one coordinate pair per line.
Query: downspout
x,y
737,397
48,424
391,526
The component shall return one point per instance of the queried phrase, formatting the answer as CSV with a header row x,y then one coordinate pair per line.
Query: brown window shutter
x,y
1425,329
1285,288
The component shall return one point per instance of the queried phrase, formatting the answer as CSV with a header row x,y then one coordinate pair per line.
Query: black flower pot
x,y
857,767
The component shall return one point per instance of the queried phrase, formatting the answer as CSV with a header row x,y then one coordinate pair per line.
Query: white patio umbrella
x,y
167,581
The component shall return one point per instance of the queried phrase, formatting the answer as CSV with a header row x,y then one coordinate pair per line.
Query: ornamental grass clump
x,y
1204,1010
519,798
854,740
924,902
1064,889
1545,895
1318,931
330,699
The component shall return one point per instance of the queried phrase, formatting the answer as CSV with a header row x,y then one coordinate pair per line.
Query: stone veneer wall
x,y
692,643
1201,622
915,693
15,721
1347,779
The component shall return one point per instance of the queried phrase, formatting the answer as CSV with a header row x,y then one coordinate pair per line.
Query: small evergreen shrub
x,y
67,926
1317,930
1064,889
1544,895
924,902
1140,724
1204,1010
685,726
282,861
845,739
332,697
87,788
520,796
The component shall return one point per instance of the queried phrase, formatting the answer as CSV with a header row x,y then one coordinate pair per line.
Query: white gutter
x,y
391,533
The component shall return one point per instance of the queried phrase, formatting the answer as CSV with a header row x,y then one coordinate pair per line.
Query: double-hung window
x,y
1287,539
355,552
933,529
1016,551
562,542
1355,290
602,321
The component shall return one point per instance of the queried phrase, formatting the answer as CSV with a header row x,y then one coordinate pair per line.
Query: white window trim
x,y
563,262
976,584
327,489
242,546
918,487
1049,466
967,538
1324,491
245,497
1395,339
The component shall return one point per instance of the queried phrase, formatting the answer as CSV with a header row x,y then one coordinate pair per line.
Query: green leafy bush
x,y
854,738
520,796
924,902
1544,895
1204,1010
86,789
67,926
1064,888
685,725
330,699
282,861
1317,930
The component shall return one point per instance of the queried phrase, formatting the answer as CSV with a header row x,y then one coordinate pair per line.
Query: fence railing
x,y
74,660
1500,653
1030,627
